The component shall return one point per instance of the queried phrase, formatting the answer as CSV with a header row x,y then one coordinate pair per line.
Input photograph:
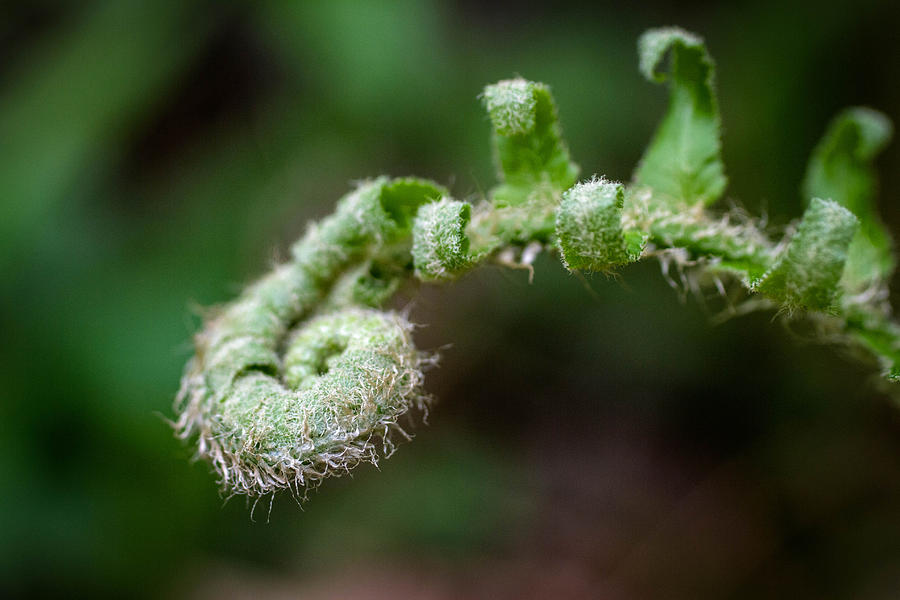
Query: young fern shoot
x,y
305,375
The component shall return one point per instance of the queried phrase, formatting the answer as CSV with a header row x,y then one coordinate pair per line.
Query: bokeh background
x,y
594,439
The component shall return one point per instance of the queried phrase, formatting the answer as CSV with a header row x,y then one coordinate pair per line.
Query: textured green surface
x,y
589,228
264,116
278,403
440,246
806,274
303,377
533,163
533,160
841,170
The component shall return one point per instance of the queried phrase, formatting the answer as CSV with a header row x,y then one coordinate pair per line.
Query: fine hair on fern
x,y
306,374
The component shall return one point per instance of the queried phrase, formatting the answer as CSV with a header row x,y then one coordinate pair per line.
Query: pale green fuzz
x,y
512,105
728,242
532,159
589,228
440,245
533,165
347,379
371,284
304,376
238,393
806,274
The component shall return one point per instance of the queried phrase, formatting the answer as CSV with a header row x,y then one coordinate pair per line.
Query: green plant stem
x,y
305,375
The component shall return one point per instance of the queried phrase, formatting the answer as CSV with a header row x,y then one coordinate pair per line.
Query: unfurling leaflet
x,y
682,163
806,274
306,374
589,228
440,247
841,169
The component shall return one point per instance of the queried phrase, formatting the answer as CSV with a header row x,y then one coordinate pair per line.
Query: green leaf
x,y
402,197
440,246
841,169
532,159
682,163
806,274
589,228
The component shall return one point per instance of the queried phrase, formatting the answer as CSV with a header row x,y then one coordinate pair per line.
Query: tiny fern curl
x,y
306,374
440,246
296,380
589,228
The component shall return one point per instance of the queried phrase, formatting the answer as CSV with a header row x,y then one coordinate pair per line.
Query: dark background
x,y
595,439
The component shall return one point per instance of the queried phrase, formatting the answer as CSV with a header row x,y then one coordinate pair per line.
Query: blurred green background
x,y
594,439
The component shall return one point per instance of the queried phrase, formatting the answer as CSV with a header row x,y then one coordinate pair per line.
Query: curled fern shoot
x,y
307,374
590,231
682,163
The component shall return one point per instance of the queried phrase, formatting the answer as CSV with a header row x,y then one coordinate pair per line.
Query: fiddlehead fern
x,y
305,375
273,407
